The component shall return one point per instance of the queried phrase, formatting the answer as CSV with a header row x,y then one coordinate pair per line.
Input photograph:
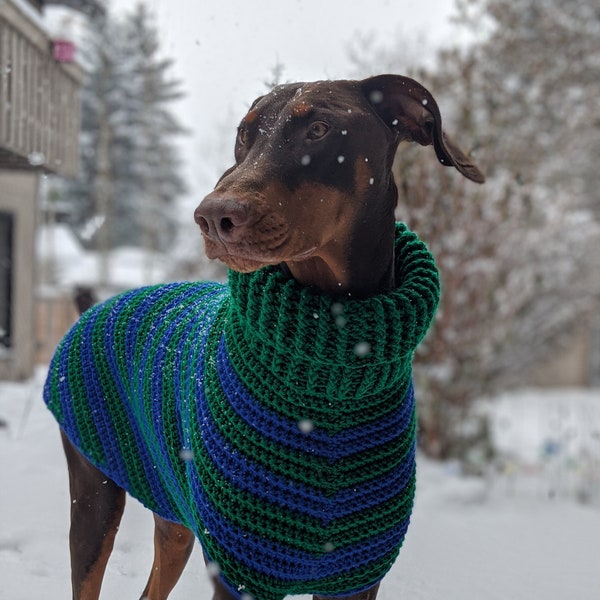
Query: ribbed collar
x,y
327,347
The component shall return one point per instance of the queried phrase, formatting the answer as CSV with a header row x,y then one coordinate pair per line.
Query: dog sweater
x,y
276,422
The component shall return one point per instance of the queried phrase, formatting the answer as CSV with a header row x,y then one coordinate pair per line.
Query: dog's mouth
x,y
246,258
246,239
242,265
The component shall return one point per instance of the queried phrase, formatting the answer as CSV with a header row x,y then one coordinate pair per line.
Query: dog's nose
x,y
222,218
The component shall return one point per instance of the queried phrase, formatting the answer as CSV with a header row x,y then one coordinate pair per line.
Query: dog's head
x,y
312,160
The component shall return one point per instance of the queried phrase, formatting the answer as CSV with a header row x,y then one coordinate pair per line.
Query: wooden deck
x,y
39,102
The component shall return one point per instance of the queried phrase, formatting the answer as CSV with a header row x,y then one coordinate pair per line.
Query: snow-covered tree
x,y
538,77
91,193
130,176
146,160
518,256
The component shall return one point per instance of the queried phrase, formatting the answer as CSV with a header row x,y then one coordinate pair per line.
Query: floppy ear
x,y
408,108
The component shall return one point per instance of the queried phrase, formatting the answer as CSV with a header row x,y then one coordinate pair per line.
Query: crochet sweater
x,y
274,421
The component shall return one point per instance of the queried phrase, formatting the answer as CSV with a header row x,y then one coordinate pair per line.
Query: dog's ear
x,y
408,108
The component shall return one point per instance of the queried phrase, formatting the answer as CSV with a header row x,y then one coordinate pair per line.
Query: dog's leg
x,y
370,594
173,545
97,505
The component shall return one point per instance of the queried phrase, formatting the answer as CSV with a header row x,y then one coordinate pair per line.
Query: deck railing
x,y
39,101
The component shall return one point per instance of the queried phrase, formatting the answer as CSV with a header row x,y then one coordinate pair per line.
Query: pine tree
x,y
129,165
147,164
91,193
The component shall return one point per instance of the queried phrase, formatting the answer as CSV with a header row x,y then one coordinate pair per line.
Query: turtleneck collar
x,y
329,347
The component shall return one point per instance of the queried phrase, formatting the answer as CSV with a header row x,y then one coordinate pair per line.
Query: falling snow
x,y
306,425
376,96
362,349
186,455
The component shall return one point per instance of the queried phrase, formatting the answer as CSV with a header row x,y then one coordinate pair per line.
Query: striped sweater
x,y
276,422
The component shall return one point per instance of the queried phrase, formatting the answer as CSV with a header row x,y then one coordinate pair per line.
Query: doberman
x,y
311,190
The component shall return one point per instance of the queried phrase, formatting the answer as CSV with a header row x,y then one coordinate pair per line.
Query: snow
x,y
561,422
33,15
58,241
470,539
69,265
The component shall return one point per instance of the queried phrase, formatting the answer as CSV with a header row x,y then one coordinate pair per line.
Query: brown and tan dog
x,y
312,190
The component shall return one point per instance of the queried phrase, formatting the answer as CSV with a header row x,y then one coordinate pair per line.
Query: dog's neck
x,y
359,267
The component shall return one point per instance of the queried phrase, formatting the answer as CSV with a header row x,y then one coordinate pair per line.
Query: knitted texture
x,y
276,422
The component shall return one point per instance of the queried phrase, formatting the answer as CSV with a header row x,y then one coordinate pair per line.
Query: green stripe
x,y
311,470
85,422
266,587
144,361
248,512
279,398
54,399
125,439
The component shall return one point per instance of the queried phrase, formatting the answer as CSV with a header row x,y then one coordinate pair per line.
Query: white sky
x,y
225,50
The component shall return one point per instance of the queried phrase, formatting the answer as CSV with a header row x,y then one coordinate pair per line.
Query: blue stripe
x,y
250,476
258,552
191,379
283,430
125,394
159,446
69,422
190,367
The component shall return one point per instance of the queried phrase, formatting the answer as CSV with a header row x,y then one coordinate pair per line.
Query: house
x,y
39,128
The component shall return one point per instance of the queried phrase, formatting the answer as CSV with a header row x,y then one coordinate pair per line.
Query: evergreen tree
x,y
129,165
91,193
147,164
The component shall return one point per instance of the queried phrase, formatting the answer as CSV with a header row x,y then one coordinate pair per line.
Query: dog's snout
x,y
223,219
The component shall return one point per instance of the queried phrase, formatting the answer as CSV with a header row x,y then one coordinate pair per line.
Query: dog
x,y
272,418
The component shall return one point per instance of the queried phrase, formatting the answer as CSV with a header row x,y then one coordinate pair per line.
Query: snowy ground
x,y
505,538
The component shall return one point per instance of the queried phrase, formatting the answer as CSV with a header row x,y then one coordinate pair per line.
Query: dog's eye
x,y
317,130
242,136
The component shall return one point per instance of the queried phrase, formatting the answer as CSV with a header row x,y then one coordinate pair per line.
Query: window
x,y
6,238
